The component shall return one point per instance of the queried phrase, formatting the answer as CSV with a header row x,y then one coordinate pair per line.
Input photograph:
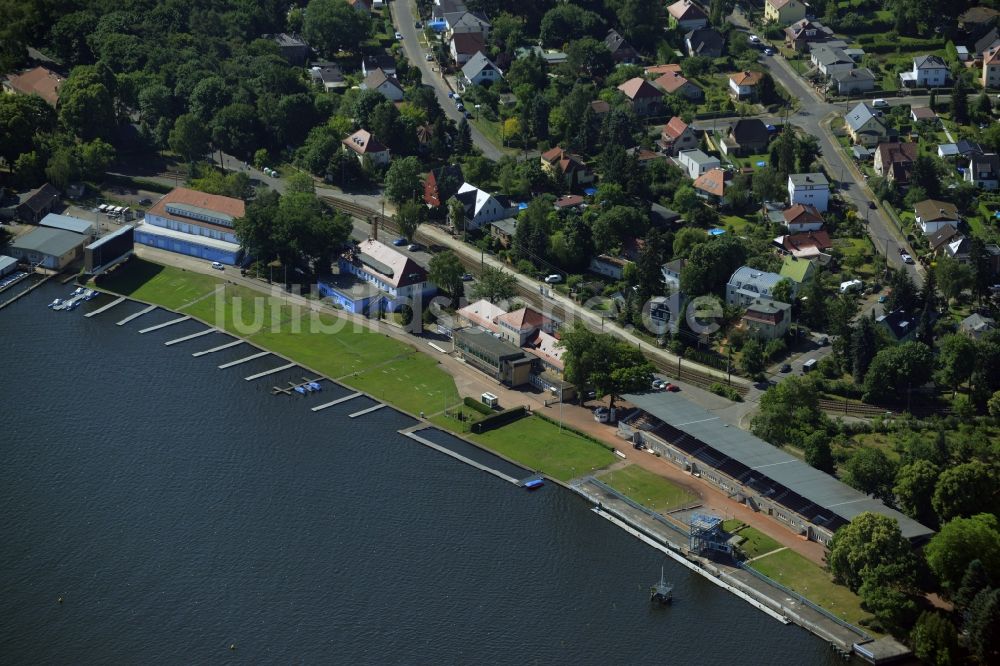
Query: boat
x,y
315,386
77,291
533,484
56,302
300,390
308,387
663,592
89,295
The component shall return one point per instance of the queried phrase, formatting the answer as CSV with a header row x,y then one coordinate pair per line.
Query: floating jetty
x,y
243,360
309,385
270,372
366,411
663,592
412,434
165,324
120,299
189,337
219,348
352,396
136,315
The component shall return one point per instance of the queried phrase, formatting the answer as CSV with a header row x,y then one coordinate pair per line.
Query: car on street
x,y
771,128
753,39
785,367
460,107
428,57
467,277
399,36
907,259
880,103
658,385
823,342
871,205
769,52
145,201
217,266
413,247
673,388
555,278
399,242
418,25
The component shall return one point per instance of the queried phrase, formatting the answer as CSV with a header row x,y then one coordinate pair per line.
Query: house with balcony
x,y
983,171
894,161
393,279
865,125
932,214
744,85
767,319
676,136
784,12
749,284
809,188
929,71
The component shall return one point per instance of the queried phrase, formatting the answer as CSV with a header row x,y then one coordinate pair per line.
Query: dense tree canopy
x,y
868,542
608,364
961,541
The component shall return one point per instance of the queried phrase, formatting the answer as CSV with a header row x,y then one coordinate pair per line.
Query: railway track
x,y
852,408
529,296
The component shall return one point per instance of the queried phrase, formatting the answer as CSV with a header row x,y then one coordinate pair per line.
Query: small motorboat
x,y
661,593
308,387
77,291
315,386
89,295
56,302
300,390
534,484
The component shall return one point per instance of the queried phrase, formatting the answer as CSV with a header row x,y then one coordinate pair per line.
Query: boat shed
x,y
51,248
7,265
765,478
68,223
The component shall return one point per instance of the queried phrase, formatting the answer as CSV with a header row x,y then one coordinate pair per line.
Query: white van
x,y
555,278
851,285
880,103
809,365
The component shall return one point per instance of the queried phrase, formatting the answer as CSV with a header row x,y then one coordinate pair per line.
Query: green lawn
x,y
648,489
541,446
756,543
386,368
811,581
736,224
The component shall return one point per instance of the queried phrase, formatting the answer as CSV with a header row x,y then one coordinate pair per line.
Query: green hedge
x,y
726,392
476,405
499,419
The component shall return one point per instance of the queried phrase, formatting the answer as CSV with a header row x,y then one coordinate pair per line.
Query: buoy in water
x,y
232,646
60,600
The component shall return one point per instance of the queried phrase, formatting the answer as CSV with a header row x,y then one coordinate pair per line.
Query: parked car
x,y
786,368
883,298
880,103
217,266
399,242
418,25
769,52
413,247
555,278
428,57
145,201
460,107
399,36
467,277
871,205
673,388
907,259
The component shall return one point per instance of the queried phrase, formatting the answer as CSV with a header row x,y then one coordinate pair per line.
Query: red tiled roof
x,y
638,87
468,43
748,79
524,319
802,214
214,202
675,128
712,181
818,239
38,81
362,142
569,201
670,82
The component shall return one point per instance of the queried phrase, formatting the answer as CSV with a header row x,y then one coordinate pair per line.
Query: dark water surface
x,y
178,509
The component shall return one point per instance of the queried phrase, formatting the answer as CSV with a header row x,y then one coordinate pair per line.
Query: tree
x,y
95,157
870,471
960,541
787,411
956,360
589,58
984,107
904,292
602,361
408,218
952,277
896,370
254,230
925,175
974,580
402,180
22,119
965,490
463,139
495,284
566,23
960,104
935,640
982,627
711,264
531,239
783,290
446,270
914,489
334,25
752,359
236,130
868,542
86,105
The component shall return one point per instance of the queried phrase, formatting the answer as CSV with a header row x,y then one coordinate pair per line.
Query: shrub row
x,y
475,405
499,419
726,392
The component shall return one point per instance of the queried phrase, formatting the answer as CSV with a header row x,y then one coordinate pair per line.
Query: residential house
x,y
47,247
364,145
932,214
37,81
292,48
976,18
959,249
711,186
983,170
466,22
809,188
958,152
894,161
986,41
798,270
385,84
929,71
465,45
674,83
799,218
482,313
328,75
399,278
621,51
976,325
676,136
937,240
900,326
865,126
480,70
480,207
748,136
568,202
829,60
644,156
383,61
503,230
441,8
743,85
37,203
570,167
767,319
991,67
799,35
924,114
686,16
608,266
517,326
441,184
748,284
660,70
809,245
705,42
644,99
695,162
663,217
852,82
784,12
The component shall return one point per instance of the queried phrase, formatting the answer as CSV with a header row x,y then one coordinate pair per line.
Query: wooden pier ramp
x,y
189,337
352,396
243,360
219,348
412,434
165,324
110,305
270,372
136,315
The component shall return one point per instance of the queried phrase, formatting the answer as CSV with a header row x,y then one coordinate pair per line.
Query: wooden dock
x,y
412,434
219,348
276,390
110,305
136,315
189,337
243,360
366,411
270,372
337,401
165,324
26,291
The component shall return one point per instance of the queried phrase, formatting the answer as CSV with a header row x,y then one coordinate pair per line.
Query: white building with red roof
x,y
193,223
364,144
392,278
482,313
517,326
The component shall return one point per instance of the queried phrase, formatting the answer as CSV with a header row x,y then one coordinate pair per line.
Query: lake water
x,y
178,509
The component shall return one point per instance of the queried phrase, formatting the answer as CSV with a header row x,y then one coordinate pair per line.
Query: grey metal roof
x,y
476,64
46,240
818,487
803,179
863,74
67,223
6,263
859,115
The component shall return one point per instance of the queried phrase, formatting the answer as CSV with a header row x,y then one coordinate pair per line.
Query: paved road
x,y
404,18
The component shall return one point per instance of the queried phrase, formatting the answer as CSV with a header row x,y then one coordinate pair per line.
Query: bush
x,y
498,420
476,405
725,391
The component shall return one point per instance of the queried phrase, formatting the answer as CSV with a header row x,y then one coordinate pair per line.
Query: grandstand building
x,y
751,471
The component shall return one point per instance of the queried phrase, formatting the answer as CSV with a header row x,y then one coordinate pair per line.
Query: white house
x,y
379,81
983,170
748,284
481,207
695,162
800,218
479,70
932,215
809,188
390,271
929,71
830,60
363,144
